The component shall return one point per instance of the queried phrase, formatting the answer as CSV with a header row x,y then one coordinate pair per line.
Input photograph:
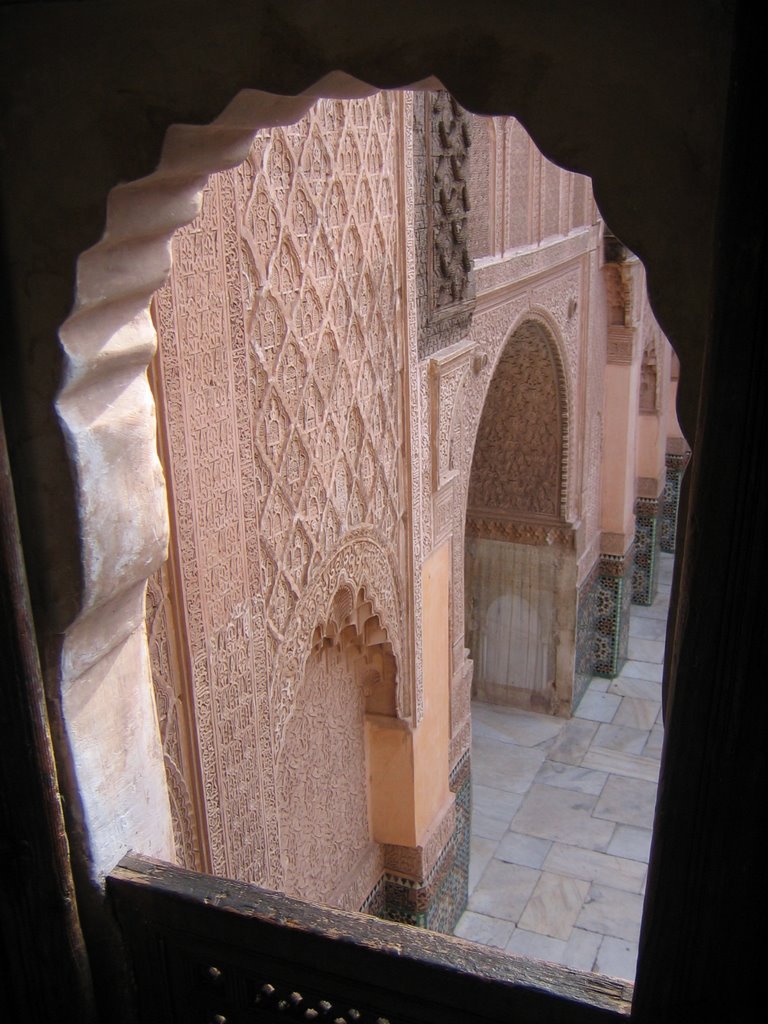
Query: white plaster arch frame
x,y
107,415
543,319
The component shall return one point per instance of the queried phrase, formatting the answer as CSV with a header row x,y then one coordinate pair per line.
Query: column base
x,y
433,890
670,499
645,581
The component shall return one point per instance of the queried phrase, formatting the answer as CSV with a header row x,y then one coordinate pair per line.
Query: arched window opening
x,y
328,350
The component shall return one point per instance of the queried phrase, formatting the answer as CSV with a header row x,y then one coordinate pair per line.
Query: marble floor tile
x,y
488,931
617,958
612,912
616,763
631,842
602,868
645,650
481,851
637,713
655,741
536,946
504,765
503,890
620,738
639,670
647,628
562,815
598,685
524,727
516,848
657,610
554,905
624,800
486,827
573,742
549,812
581,950
495,803
597,707
568,776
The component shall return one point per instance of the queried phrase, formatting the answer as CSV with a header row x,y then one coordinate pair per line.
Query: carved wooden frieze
x,y
450,140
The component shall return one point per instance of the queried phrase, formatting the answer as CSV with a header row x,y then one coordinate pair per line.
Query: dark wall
x,y
631,94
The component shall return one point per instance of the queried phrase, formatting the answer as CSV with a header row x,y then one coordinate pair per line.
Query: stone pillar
x,y
613,588
677,456
650,455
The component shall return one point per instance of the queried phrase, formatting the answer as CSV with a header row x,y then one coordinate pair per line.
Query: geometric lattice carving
x,y
279,390
520,451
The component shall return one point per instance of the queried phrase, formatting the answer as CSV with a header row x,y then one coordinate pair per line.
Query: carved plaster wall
x,y
536,261
521,443
281,346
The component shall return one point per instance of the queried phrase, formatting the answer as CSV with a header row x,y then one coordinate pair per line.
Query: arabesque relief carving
x,y
450,141
279,368
517,465
649,384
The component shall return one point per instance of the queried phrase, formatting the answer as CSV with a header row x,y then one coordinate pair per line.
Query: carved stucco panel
x,y
281,352
363,561
561,297
517,461
322,779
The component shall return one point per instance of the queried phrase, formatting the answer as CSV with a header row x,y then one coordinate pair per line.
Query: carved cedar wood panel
x,y
517,465
278,369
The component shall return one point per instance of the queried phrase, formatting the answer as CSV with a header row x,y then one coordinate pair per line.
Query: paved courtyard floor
x,y
562,813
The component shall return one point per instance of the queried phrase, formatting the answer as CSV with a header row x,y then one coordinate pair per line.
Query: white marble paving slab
x,y
617,763
637,713
505,766
554,905
645,650
581,950
481,851
563,815
516,848
568,776
536,946
648,628
496,803
626,801
620,738
631,842
597,707
488,931
503,890
612,912
636,670
591,866
617,958
573,742
483,825
523,727
655,741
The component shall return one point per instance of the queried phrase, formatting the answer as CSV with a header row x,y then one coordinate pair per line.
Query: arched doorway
x,y
519,568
